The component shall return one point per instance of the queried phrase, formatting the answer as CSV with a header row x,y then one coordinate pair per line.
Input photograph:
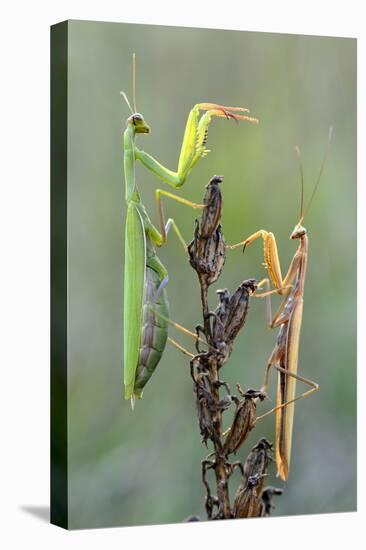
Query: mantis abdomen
x,y
154,329
286,390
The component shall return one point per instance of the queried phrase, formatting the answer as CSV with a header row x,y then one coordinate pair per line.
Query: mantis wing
x,y
134,288
286,392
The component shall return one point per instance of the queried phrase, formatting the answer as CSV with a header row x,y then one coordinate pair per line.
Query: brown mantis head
x,y
298,232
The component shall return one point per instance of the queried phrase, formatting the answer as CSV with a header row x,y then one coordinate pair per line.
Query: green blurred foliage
x,y
144,467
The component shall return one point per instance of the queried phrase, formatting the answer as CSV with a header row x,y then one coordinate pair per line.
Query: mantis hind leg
x,y
284,420
183,330
307,381
180,347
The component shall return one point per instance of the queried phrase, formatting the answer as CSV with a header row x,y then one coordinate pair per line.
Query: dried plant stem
x,y
220,328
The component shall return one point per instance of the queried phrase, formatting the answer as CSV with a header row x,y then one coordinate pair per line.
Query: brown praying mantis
x,y
284,357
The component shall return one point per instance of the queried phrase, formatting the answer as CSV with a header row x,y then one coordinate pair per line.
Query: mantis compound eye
x,y
136,118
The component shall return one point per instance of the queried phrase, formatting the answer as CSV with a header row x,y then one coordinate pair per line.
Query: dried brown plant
x,y
219,331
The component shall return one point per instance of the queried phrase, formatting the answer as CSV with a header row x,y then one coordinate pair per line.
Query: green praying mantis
x,y
146,308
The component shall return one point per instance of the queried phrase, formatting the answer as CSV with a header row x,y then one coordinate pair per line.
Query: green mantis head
x,y
137,122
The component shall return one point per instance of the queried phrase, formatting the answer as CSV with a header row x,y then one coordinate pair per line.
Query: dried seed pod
x,y
237,309
266,505
247,502
257,463
258,459
231,314
207,250
207,256
211,214
244,420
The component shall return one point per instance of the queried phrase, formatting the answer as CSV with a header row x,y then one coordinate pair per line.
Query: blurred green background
x,y
143,467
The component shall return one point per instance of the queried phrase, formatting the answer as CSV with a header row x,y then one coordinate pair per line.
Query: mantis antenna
x,y
126,100
302,184
124,95
330,133
134,81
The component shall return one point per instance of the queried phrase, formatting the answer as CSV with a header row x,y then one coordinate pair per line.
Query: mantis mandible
x,y
146,307
284,357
